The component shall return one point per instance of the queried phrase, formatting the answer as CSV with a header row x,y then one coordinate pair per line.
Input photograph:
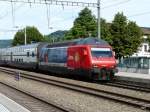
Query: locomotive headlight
x,y
95,66
112,66
103,65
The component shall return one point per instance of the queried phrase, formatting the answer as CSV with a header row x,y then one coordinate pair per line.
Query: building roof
x,y
145,30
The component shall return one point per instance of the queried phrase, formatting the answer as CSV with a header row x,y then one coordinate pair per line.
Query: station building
x,y
144,49
139,62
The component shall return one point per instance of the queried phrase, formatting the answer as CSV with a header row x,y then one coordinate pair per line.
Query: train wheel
x,y
90,77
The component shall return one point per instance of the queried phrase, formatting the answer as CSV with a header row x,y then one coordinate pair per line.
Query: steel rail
x,y
128,86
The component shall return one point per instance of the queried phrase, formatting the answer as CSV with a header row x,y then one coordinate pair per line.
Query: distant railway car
x,y
24,56
89,57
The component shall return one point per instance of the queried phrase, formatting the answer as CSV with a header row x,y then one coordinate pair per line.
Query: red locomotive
x,y
88,57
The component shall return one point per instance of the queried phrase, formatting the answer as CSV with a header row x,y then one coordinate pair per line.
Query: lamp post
x,y
99,21
50,28
25,36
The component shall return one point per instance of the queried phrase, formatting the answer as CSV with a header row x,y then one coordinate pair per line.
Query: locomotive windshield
x,y
101,52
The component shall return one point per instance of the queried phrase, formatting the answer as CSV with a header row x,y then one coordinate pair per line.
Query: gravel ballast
x,y
123,91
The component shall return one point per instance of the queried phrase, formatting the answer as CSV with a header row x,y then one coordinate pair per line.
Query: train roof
x,y
81,41
33,45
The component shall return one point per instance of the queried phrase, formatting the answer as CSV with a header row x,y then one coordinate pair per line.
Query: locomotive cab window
x,y
101,52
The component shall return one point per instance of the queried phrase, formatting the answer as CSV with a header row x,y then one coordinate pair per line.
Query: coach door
x,y
70,59
74,58
77,56
11,56
28,57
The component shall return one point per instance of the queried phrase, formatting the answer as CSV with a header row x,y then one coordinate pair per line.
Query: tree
x,y
134,38
148,40
32,34
118,31
84,25
126,36
105,32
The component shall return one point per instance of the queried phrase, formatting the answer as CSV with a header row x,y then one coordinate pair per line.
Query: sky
x,y
62,17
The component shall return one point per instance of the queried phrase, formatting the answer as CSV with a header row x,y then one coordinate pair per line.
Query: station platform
x,y
8,105
133,77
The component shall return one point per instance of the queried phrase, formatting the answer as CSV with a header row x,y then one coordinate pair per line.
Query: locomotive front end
x,y
103,63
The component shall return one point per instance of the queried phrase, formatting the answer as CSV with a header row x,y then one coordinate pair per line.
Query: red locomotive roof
x,y
81,41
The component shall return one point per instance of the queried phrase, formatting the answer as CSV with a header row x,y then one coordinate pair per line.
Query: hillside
x,y
5,43
57,34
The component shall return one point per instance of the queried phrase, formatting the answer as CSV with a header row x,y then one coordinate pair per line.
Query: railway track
x,y
130,100
52,105
126,85
31,103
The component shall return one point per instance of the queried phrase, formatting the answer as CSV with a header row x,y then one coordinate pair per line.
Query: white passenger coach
x,y
20,56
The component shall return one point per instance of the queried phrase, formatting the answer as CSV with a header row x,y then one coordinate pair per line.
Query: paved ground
x,y
8,105
136,77
3,109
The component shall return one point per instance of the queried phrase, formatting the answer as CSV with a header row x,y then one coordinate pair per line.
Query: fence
x,y
134,64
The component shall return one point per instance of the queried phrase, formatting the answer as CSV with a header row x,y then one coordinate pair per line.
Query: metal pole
x,y
25,36
99,21
13,16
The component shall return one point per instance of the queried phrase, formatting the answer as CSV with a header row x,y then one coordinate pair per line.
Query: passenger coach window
x,y
42,55
28,54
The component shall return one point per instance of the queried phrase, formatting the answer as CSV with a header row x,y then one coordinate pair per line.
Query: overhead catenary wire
x,y
16,8
139,14
4,15
8,30
113,5
55,2
65,3
48,3
58,2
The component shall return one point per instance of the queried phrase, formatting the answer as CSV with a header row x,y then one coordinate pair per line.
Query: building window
x,y
28,54
145,48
